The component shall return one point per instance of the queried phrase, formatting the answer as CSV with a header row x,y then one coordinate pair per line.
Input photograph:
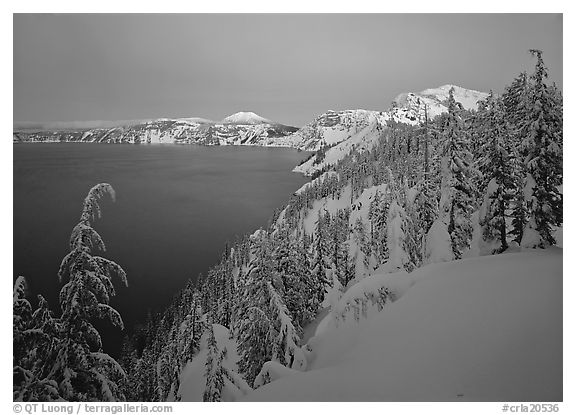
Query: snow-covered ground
x,y
478,329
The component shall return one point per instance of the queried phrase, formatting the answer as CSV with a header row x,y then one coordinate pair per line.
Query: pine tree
x,y
378,215
341,261
456,190
318,280
396,237
542,149
499,176
82,370
128,361
515,100
253,325
214,371
362,242
35,339
285,343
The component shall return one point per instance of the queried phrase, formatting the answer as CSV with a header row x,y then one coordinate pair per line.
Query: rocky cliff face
x,y
333,135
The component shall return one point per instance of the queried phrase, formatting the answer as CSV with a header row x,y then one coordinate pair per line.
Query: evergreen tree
x,y
35,338
362,242
214,371
318,280
254,328
456,190
82,370
378,215
286,338
497,165
396,237
542,149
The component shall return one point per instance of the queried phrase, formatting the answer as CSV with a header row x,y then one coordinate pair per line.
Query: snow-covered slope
x,y
361,140
480,329
242,128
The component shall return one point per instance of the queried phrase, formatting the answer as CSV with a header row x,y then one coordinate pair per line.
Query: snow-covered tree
x,y
541,132
291,264
63,358
286,342
318,277
253,325
378,216
82,370
35,338
362,241
214,372
398,258
456,186
497,164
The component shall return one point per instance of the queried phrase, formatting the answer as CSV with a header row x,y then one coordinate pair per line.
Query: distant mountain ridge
x,y
242,128
332,134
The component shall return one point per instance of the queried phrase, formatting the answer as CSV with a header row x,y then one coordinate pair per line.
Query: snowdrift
x,y
479,329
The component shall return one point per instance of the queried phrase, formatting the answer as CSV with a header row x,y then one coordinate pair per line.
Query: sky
x,y
285,67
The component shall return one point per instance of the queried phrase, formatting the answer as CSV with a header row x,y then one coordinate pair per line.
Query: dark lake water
x,y
176,207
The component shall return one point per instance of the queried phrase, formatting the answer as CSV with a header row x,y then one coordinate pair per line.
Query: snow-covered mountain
x,y
245,118
334,134
410,106
242,128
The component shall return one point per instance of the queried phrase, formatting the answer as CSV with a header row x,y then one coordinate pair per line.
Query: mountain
x,y
245,118
331,135
334,134
242,128
410,106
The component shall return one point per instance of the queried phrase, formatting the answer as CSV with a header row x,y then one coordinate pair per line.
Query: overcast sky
x,y
288,68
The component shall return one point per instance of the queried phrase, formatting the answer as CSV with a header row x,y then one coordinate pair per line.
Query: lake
x,y
176,207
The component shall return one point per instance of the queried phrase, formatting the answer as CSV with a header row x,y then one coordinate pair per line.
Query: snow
x,y
272,371
346,140
346,310
479,329
192,377
245,118
195,120
438,245
467,97
411,105
311,329
397,256
330,129
313,182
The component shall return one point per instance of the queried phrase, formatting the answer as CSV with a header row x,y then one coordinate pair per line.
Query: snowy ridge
x,y
329,129
335,134
243,128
